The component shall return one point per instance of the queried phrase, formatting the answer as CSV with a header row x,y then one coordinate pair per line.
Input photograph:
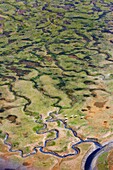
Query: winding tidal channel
x,y
90,160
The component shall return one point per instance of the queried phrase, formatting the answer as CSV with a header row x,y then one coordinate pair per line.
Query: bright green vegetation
x,y
1,135
50,135
51,143
37,128
102,162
